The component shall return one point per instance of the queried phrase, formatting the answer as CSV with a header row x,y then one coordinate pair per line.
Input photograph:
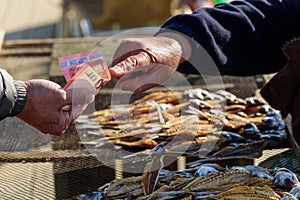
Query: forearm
x,y
242,38
12,95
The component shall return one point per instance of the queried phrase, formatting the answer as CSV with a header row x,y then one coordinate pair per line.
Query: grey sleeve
x,y
12,95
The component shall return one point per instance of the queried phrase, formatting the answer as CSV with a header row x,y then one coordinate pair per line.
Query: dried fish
x,y
248,193
194,123
222,183
120,188
152,169
217,180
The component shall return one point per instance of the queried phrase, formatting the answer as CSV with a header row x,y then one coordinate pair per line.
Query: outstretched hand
x,y
43,109
142,63
45,105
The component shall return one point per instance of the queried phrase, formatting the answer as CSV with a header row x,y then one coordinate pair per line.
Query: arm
x,y
36,102
243,37
12,96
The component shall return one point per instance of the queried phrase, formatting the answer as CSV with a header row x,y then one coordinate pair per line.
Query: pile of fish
x,y
194,122
204,181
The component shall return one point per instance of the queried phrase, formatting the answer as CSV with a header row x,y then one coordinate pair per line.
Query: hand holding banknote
x,y
43,108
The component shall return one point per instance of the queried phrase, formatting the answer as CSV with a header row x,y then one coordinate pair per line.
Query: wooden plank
x,y
26,68
50,41
46,51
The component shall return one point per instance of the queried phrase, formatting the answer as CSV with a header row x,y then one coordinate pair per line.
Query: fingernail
x,y
116,70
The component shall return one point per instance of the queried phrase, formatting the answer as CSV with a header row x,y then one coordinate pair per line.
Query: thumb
x,y
79,96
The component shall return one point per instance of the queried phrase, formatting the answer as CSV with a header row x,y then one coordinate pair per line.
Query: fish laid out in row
x,y
193,123
205,181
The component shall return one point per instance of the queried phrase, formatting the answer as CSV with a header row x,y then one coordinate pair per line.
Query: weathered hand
x,y
142,63
43,108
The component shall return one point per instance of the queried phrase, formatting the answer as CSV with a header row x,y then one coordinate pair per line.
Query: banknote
x,y
89,67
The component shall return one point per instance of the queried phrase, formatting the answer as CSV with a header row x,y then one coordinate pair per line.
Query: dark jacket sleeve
x,y
243,37
12,95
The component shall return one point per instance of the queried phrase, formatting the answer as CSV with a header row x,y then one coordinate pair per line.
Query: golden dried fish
x,y
233,183
193,116
181,120
144,142
230,98
256,181
216,180
152,169
161,97
181,146
120,188
124,134
154,195
179,183
235,108
178,107
195,129
234,121
248,193
200,104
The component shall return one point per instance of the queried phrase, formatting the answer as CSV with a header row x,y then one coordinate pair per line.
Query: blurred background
x,y
86,18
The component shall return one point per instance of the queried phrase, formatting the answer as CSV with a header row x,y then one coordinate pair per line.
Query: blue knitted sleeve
x,y
244,37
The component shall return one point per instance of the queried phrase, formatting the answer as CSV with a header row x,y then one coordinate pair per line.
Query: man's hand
x,y
43,108
142,63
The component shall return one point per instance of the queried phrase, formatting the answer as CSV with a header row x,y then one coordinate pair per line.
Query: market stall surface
x,y
38,166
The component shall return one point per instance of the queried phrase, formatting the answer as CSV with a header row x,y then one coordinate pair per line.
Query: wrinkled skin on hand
x,y
43,109
142,63
45,100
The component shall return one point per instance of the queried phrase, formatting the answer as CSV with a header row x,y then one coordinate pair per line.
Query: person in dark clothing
x,y
244,37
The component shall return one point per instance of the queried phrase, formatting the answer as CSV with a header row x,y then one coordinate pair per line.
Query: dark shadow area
x,y
38,32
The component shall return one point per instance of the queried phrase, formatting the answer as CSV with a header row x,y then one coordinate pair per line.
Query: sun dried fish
x,y
248,193
216,180
253,149
120,188
152,169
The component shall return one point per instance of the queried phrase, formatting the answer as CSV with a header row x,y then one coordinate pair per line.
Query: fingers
x,y
145,78
58,125
76,111
141,59
79,93
137,82
79,97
